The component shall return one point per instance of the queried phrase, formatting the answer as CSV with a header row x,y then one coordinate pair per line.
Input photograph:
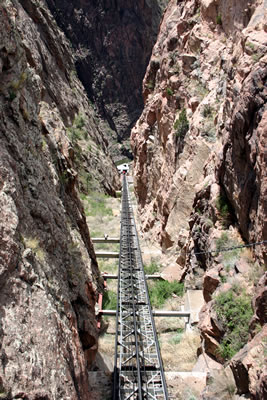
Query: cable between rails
x,y
224,249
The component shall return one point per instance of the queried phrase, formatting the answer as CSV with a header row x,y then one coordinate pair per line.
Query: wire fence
x,y
224,249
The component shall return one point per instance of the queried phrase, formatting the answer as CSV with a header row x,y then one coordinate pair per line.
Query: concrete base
x,y
194,301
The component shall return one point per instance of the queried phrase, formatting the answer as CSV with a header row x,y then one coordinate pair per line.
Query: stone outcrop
x,y
49,279
249,367
211,63
113,42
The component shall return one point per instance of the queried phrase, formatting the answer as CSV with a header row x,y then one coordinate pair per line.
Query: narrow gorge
x,y
177,89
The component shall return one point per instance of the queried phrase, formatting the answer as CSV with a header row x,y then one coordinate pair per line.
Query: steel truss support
x,y
138,371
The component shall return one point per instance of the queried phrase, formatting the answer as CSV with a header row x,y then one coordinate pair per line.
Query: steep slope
x,y
113,42
49,279
200,168
196,65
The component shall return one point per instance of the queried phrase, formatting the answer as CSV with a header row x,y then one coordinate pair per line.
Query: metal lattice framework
x,y
138,371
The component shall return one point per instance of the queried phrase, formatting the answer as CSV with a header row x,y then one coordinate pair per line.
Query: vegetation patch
x,y
219,19
109,300
18,84
229,257
12,95
77,131
178,337
160,291
223,208
169,91
152,268
234,312
34,245
150,85
95,204
181,125
199,90
207,111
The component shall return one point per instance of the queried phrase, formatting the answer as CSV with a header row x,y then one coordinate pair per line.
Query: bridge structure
x,y
138,369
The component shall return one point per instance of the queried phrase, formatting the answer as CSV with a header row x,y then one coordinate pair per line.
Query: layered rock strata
x,y
49,279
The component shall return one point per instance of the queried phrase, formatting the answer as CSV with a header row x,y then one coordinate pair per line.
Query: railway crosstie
x,y
138,369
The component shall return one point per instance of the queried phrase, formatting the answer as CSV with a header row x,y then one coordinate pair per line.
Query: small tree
x,y
181,125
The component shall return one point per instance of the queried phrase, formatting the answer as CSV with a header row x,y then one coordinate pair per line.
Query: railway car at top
x,y
123,168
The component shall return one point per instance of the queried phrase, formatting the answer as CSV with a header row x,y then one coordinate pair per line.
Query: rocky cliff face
x,y
113,42
200,163
49,280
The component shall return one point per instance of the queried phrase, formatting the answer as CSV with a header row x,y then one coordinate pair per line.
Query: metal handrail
x,y
138,369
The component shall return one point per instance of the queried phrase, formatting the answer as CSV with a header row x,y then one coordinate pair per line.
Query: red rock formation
x,y
49,279
200,163
191,67
249,367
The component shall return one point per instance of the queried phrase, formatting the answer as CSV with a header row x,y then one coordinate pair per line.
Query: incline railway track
x,y
138,369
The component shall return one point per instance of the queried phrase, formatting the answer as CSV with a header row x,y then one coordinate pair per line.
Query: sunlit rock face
x,y
203,122
113,42
200,169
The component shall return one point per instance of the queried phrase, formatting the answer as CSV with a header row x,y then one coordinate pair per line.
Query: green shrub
x,y
234,312
12,95
181,125
150,85
222,242
77,131
219,19
169,91
250,45
160,291
207,111
256,57
109,300
152,268
222,206
176,339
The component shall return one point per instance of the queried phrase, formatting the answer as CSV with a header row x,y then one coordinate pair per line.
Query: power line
x,y
231,248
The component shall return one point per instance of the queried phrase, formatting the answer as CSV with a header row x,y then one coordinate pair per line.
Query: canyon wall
x,y
113,42
51,145
200,163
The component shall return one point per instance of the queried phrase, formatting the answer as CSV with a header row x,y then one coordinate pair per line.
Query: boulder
x,y
188,61
210,283
211,330
193,103
242,267
206,363
260,302
249,367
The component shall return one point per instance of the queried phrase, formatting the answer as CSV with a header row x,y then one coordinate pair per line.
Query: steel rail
x,y
138,370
